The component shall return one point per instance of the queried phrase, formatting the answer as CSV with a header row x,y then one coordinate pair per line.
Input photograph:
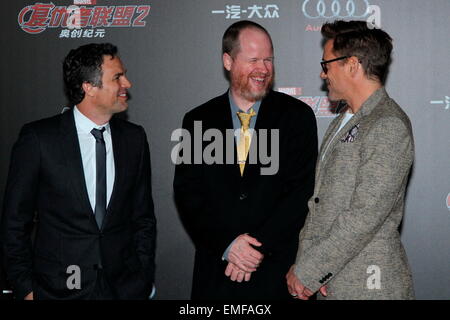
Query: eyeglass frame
x,y
324,63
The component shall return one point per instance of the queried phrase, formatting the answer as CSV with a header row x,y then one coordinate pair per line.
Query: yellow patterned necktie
x,y
245,138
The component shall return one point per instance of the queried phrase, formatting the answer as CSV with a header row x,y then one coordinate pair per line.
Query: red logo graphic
x,y
37,18
321,105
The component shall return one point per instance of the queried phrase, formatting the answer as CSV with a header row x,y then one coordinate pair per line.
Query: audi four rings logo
x,y
315,9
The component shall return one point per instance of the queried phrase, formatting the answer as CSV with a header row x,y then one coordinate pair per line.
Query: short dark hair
x,y
371,46
84,64
230,39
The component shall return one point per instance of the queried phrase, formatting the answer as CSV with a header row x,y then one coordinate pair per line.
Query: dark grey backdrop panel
x,y
174,63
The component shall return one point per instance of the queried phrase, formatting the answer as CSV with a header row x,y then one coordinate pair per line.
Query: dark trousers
x,y
102,290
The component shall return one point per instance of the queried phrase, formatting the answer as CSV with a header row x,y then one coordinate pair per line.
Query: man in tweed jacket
x,y
349,247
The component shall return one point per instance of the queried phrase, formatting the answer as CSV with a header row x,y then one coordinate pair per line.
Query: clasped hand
x,y
243,259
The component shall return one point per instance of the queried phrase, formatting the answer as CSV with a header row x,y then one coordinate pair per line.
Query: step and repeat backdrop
x,y
172,51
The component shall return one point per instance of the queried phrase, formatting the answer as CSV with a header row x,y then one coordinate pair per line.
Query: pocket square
x,y
351,134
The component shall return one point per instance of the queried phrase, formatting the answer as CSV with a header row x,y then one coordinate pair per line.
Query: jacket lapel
x,y
223,122
332,143
365,110
267,116
120,163
334,125
72,154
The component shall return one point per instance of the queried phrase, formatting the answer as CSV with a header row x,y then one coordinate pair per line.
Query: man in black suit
x,y
244,216
86,175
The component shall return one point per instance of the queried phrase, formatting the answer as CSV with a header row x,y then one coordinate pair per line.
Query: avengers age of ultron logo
x,y
39,17
321,105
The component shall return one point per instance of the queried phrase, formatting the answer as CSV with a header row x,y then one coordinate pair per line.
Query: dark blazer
x,y
46,177
217,204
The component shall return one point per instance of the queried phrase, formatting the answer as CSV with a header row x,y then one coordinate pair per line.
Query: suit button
x,y
243,196
316,200
98,266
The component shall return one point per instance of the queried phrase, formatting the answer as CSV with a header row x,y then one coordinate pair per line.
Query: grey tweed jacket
x,y
350,241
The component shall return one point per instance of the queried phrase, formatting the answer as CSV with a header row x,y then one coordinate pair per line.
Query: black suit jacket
x,y
46,177
217,204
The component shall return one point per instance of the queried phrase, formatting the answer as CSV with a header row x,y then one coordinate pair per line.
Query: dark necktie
x,y
100,185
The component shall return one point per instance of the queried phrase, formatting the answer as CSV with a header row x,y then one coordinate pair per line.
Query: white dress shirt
x,y
87,147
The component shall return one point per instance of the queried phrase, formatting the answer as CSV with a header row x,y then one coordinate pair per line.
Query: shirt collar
x,y
235,108
85,125
373,101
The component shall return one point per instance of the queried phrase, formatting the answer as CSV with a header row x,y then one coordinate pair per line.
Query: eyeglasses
x,y
325,62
